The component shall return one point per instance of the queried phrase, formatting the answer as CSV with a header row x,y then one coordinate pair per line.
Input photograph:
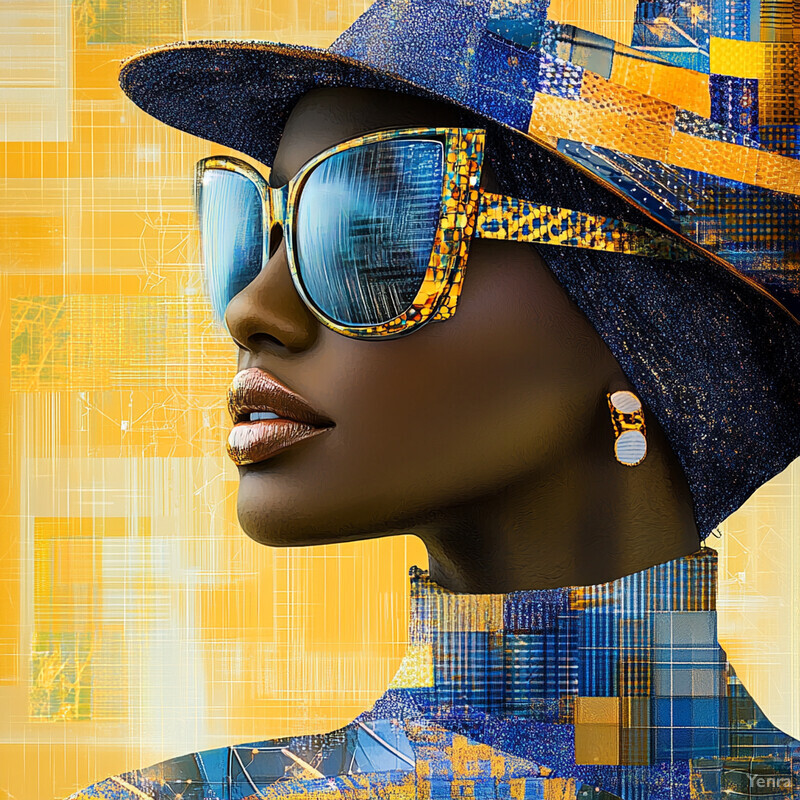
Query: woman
x,y
590,409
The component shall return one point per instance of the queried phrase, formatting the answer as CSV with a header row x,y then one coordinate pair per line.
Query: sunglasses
x,y
377,229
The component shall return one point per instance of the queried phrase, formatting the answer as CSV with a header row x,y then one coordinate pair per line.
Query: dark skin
x,y
488,435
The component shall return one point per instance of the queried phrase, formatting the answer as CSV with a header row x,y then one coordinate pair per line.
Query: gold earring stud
x,y
627,419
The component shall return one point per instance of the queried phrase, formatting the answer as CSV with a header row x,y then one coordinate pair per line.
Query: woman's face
x,y
428,422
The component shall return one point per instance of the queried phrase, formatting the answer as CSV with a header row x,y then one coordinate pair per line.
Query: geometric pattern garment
x,y
618,690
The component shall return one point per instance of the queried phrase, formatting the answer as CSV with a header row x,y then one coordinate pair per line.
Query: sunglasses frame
x,y
438,294
465,212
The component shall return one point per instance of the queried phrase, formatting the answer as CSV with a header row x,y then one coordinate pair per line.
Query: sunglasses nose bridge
x,y
277,201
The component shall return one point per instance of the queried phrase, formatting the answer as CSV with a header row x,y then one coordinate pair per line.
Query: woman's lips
x,y
251,442
268,417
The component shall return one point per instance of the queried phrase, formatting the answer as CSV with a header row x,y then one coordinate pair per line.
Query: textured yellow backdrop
x,y
136,621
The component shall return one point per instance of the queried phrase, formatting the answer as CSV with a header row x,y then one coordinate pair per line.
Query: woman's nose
x,y
269,309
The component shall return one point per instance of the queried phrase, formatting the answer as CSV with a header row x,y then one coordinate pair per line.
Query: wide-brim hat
x,y
690,127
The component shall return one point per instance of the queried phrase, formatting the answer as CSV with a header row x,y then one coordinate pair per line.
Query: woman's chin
x,y
274,523
278,518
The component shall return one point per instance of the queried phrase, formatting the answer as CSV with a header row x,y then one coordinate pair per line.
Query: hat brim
x,y
240,93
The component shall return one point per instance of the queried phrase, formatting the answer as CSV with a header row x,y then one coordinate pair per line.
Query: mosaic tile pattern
x,y
560,77
734,104
503,217
618,690
677,31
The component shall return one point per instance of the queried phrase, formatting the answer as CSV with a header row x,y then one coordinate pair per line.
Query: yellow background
x,y
136,621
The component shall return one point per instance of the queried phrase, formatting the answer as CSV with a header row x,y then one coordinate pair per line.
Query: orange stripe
x,y
579,121
738,59
603,94
716,158
680,87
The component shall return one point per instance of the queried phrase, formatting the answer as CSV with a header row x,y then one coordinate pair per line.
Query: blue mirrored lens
x,y
231,233
366,221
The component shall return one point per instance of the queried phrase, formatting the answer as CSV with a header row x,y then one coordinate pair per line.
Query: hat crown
x,y
457,49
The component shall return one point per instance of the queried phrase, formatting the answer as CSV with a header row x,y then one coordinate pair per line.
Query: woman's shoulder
x,y
368,758
288,764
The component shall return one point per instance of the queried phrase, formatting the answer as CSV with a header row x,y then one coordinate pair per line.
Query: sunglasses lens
x,y
231,233
365,226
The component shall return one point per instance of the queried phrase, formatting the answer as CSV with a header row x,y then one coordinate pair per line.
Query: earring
x,y
627,419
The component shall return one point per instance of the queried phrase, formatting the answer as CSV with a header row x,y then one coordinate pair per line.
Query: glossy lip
x,y
255,389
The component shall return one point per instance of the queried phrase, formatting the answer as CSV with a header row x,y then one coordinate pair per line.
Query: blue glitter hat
x,y
691,124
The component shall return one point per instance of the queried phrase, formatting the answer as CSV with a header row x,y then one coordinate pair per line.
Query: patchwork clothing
x,y
618,690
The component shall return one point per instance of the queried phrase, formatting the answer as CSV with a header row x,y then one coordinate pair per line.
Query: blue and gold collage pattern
x,y
694,117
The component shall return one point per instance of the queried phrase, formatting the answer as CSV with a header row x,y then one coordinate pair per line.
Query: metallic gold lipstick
x,y
267,417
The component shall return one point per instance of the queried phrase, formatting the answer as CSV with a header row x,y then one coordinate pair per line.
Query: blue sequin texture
x,y
560,78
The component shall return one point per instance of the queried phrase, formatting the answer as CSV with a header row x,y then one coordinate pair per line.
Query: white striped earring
x,y
627,419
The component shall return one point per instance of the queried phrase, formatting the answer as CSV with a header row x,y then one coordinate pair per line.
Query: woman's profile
x,y
488,290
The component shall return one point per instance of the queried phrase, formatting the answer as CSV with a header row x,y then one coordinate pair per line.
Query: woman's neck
x,y
583,521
